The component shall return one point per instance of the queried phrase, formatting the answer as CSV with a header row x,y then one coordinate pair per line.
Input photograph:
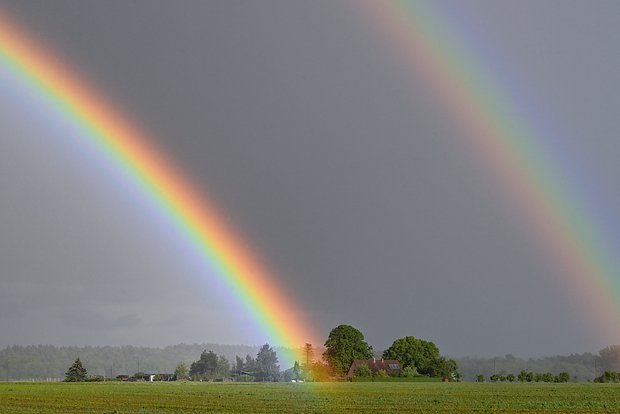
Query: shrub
x,y
608,376
409,372
381,374
363,371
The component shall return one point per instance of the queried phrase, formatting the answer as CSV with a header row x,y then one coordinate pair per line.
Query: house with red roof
x,y
390,366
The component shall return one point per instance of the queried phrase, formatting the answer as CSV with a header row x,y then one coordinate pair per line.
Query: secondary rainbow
x,y
511,150
196,217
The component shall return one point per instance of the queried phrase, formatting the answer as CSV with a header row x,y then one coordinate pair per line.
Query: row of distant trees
x,y
343,345
527,376
211,366
582,367
208,367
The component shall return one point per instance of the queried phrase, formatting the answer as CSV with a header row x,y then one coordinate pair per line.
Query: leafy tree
x,y
410,371
76,372
421,354
480,378
445,368
309,353
180,371
250,364
563,377
344,344
318,372
297,371
608,376
205,367
267,363
222,367
239,365
547,377
289,375
610,358
510,378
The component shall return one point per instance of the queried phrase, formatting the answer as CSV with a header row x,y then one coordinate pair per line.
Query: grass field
x,y
307,398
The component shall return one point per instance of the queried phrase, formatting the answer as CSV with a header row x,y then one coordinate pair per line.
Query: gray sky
x,y
326,151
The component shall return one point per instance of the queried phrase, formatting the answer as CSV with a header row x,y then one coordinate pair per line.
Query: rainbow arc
x,y
512,151
225,254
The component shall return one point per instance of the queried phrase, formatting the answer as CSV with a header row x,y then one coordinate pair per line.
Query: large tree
x,y
222,368
267,363
309,354
344,344
610,358
205,367
76,372
239,365
422,355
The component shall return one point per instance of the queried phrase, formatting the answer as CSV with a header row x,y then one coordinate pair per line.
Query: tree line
x,y
42,362
50,362
527,376
581,367
416,357
211,366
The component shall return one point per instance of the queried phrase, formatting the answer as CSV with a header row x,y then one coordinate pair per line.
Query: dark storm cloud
x,y
329,154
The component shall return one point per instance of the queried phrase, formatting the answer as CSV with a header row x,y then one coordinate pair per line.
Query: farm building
x,y
158,377
390,366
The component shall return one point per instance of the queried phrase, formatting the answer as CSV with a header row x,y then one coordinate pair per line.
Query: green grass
x,y
307,398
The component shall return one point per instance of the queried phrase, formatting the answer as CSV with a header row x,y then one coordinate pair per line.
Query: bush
x,y
608,376
363,371
409,372
381,374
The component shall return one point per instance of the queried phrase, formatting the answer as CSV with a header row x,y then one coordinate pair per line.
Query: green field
x,y
307,398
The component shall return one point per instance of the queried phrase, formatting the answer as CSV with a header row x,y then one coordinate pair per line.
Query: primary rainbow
x,y
512,151
197,218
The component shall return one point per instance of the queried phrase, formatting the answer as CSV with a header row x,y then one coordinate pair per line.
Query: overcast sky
x,y
326,151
